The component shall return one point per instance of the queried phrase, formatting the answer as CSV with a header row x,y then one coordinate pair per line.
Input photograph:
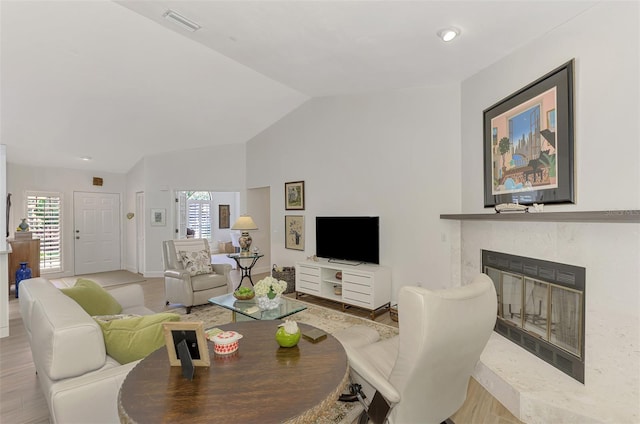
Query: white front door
x,y
96,232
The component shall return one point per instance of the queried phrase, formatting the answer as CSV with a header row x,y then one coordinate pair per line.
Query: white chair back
x,y
172,247
442,334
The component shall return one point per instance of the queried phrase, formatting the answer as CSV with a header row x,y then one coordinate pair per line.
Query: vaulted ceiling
x,y
116,81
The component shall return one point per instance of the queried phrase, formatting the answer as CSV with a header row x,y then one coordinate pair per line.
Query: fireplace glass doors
x,y
528,304
541,308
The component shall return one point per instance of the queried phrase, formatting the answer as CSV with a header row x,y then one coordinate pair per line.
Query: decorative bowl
x,y
226,342
245,297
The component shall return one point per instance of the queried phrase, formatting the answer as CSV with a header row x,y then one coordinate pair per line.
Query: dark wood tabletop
x,y
260,383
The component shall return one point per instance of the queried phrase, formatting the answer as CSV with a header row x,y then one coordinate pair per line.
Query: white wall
x,y
393,154
3,193
259,208
217,168
605,44
22,178
4,268
135,184
224,198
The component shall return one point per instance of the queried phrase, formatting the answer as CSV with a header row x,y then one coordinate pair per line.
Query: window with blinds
x,y
44,215
199,214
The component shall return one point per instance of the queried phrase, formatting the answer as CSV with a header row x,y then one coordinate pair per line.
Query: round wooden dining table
x,y
260,383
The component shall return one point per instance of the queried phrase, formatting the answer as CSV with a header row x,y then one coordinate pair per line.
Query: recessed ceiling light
x,y
448,34
86,158
177,18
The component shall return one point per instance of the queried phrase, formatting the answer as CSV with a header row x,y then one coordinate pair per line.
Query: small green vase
x,y
285,339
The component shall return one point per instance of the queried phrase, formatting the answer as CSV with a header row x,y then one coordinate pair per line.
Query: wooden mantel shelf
x,y
612,216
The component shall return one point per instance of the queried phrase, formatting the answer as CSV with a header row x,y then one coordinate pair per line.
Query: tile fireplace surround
x,y
533,390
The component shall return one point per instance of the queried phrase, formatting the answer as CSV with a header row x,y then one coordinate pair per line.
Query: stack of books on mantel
x,y
23,235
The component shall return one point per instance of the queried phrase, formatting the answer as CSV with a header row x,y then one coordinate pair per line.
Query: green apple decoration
x,y
288,334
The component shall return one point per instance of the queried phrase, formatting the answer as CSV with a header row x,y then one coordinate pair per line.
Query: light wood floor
x,y
22,401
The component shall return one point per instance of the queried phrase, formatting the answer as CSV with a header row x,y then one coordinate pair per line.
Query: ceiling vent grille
x,y
177,18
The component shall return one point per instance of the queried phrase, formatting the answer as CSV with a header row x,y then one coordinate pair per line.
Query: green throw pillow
x,y
93,298
131,339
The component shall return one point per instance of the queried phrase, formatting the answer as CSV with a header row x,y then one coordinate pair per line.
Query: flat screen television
x,y
348,238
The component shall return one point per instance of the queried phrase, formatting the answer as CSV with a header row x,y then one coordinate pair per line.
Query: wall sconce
x,y
130,215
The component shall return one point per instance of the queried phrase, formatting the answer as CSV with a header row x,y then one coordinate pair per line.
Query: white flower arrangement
x,y
290,327
270,284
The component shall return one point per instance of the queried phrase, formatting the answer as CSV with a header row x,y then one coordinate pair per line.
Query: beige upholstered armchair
x,y
421,375
188,280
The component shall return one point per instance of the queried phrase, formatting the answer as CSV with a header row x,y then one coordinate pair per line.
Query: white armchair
x,y
183,288
421,375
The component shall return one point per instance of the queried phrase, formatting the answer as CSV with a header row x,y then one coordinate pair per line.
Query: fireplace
x,y
541,307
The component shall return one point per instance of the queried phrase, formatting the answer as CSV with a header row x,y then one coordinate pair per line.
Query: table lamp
x,y
245,223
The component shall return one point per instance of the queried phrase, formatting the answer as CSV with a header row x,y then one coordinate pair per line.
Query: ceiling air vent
x,y
177,18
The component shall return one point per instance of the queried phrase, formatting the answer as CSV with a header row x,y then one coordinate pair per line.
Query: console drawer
x,y
307,287
364,280
309,270
356,298
308,279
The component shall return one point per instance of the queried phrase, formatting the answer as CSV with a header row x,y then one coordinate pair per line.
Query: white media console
x,y
363,286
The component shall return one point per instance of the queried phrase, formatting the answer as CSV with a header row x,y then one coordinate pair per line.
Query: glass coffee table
x,y
247,310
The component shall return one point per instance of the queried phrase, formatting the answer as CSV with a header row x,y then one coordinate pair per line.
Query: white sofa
x,y
79,380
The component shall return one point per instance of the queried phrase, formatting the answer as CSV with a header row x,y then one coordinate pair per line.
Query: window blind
x,y
199,217
44,215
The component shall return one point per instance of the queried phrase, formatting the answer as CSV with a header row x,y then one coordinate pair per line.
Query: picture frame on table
x,y
193,334
158,217
294,195
294,232
528,143
224,220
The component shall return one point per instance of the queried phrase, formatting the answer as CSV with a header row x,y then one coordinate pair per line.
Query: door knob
x,y
77,237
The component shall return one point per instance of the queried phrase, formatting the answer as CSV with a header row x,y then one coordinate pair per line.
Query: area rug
x,y
105,279
326,319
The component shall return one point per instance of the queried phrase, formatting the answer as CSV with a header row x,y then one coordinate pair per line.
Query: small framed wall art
x,y
294,232
528,143
158,217
223,216
193,334
294,195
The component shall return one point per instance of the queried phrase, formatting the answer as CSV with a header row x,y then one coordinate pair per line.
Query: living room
x,y
409,156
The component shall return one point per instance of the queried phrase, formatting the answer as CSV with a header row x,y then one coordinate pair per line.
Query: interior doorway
x,y
96,232
206,214
140,223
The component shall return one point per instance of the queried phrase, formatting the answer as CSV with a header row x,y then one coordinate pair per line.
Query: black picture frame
x,y
536,162
294,195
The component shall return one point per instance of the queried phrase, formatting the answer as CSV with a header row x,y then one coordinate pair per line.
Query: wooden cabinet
x,y
24,251
364,286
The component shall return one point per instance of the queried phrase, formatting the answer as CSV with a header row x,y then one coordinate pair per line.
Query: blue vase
x,y
22,273
23,225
